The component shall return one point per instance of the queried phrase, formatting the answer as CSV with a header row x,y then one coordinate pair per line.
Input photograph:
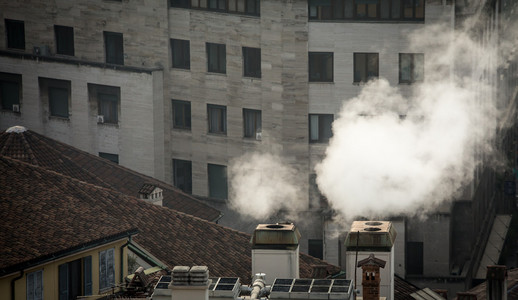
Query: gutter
x,y
13,284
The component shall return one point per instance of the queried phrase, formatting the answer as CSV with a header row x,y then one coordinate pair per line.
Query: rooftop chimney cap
x,y
275,236
371,235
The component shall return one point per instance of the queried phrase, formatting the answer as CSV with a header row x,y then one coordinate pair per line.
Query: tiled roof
x,y
512,286
39,150
41,209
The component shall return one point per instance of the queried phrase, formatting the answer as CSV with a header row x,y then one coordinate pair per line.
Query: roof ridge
x,y
32,157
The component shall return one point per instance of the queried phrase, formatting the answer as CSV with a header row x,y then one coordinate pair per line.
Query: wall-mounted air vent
x,y
42,50
100,119
16,108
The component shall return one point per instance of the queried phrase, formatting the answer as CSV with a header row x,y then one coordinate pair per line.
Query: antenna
x,y
356,259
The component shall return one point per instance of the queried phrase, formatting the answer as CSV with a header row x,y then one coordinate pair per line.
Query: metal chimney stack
x,y
275,251
496,286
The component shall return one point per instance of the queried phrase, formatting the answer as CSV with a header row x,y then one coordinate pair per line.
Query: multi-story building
x,y
177,89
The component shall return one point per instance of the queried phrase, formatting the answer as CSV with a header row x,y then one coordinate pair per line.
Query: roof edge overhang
x,y
10,270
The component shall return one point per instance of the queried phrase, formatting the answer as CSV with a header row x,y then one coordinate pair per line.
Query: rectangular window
x,y
108,106
218,188
217,4
411,67
216,58
110,156
217,115
180,3
366,66
252,123
182,175
181,54
15,32
414,258
181,114
316,248
320,128
252,62
321,66
106,269
70,280
114,49
10,91
35,285
373,10
64,40
58,102
253,7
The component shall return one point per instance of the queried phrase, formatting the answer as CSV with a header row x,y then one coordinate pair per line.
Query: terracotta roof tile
x,y
512,286
39,150
65,211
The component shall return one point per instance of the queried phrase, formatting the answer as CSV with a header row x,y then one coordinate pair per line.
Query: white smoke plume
x,y
393,152
261,184
396,155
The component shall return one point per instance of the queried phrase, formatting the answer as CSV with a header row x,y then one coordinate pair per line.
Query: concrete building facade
x,y
177,89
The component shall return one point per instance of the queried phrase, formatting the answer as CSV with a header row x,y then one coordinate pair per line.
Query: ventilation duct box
x,y
371,236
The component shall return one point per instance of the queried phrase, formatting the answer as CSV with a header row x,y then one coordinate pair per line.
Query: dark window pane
x,y
408,9
216,58
372,66
58,102
414,258
64,40
63,281
218,188
181,114
385,9
181,54
182,175
180,3
360,67
396,9
110,156
320,127
114,49
253,7
10,93
411,67
252,62
15,31
108,107
252,123
349,9
316,248
419,9
217,116
87,275
320,66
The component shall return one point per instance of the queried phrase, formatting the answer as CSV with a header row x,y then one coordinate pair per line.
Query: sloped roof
x,y
403,289
31,147
512,287
37,203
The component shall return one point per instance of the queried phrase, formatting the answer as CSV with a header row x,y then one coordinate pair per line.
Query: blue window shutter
x,y
111,267
87,276
102,270
63,282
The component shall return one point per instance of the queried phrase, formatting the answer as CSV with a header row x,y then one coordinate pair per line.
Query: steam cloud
x,y
394,152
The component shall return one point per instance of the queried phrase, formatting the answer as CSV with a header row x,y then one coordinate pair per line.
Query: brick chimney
x,y
496,283
371,277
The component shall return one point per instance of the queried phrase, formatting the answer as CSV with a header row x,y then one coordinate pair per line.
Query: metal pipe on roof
x,y
258,288
13,285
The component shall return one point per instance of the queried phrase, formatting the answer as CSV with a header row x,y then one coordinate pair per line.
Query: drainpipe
x,y
122,258
13,283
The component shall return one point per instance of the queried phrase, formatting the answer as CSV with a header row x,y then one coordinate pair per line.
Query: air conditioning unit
x,y
16,108
258,136
42,50
100,119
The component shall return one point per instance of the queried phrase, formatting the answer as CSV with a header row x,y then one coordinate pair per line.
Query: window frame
x,y
320,126
413,65
11,30
366,64
216,58
318,61
185,107
184,168
114,48
212,181
386,10
251,62
11,79
257,123
34,279
180,59
109,269
221,110
62,34
114,158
